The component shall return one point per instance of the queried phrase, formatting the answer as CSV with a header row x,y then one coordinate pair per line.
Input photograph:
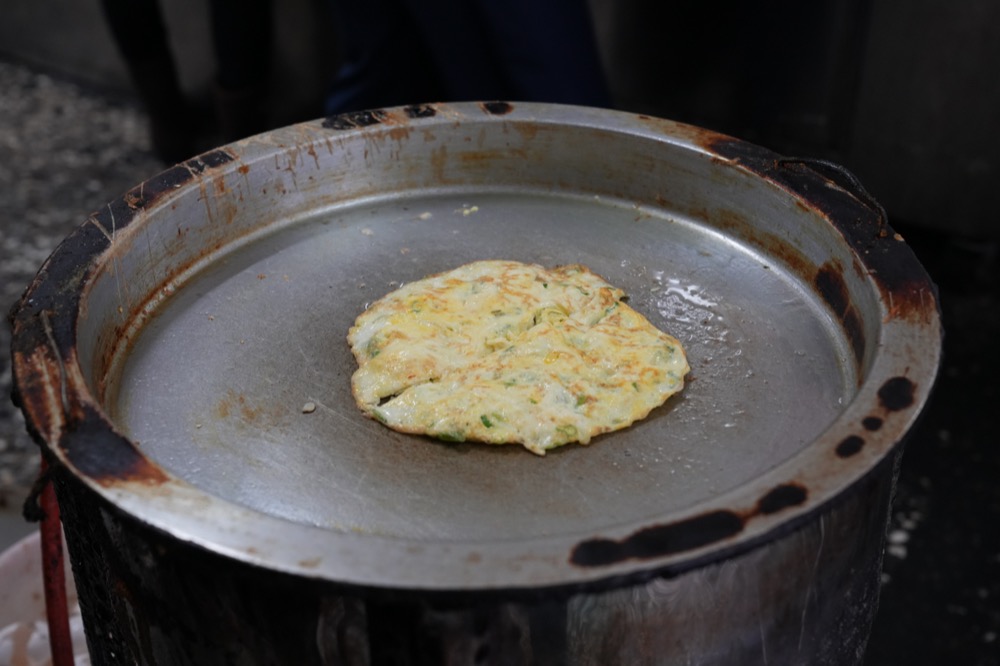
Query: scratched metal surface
x,y
221,304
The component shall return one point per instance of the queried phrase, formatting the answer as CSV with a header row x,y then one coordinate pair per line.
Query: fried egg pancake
x,y
504,352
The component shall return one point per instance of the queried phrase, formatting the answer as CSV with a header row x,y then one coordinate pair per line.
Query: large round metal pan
x,y
167,350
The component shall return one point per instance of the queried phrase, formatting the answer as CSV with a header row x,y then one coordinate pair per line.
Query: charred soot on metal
x,y
659,540
419,111
850,446
103,455
355,119
853,212
897,394
872,423
830,284
498,108
782,497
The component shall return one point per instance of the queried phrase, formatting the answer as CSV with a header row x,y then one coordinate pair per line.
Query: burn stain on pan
x,y
47,318
871,423
781,497
209,160
895,395
889,260
44,328
355,119
850,446
103,455
659,540
830,284
689,534
497,108
119,214
773,245
415,111
827,279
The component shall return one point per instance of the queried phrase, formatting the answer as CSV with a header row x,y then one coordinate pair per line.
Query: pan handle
x,y
840,175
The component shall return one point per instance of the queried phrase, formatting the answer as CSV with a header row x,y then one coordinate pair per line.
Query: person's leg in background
x,y
548,50
242,40
383,58
139,32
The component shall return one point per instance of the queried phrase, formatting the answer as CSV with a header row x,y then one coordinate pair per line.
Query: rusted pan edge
x,y
44,326
907,290
47,381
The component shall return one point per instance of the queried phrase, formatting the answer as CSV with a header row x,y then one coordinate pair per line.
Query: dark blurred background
x,y
902,93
